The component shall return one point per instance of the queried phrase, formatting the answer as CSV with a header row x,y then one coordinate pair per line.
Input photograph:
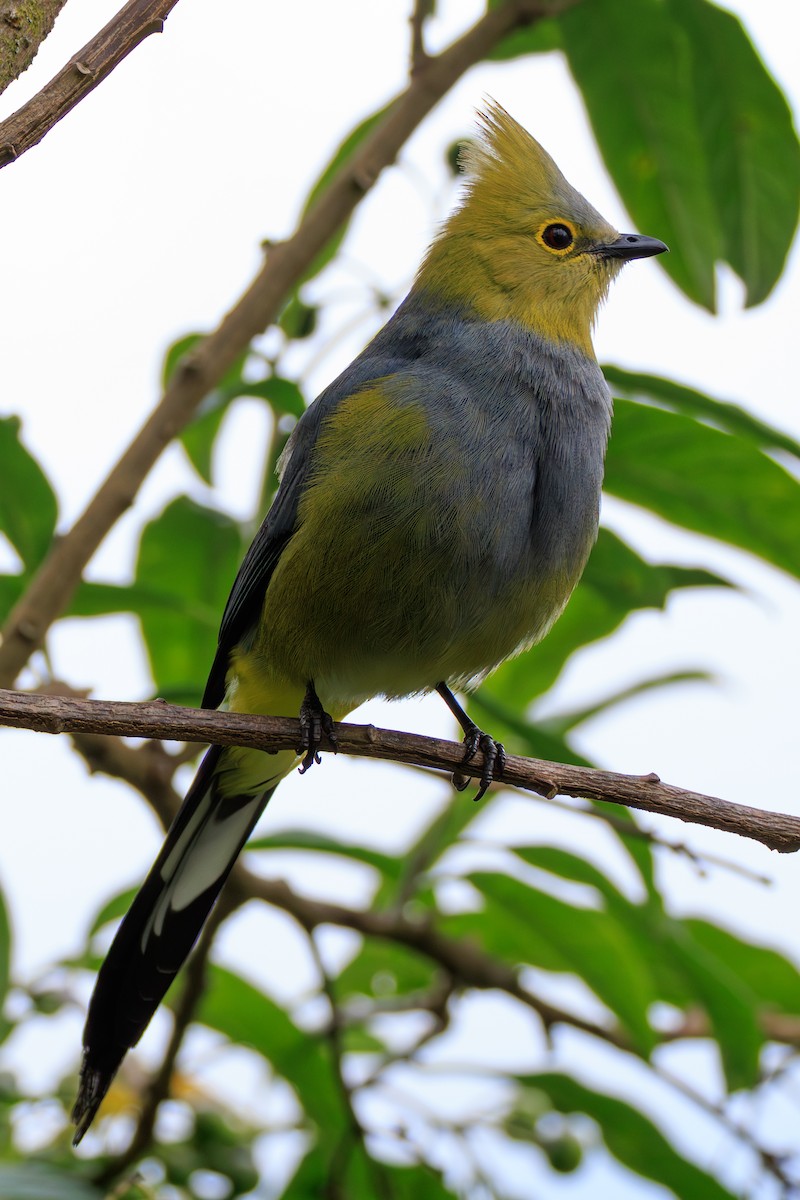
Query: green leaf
x,y
642,922
37,1181
750,144
695,133
539,740
310,1179
642,105
178,350
571,866
678,398
412,1183
584,941
442,831
729,1002
562,723
630,1137
11,588
342,156
113,910
298,319
189,553
704,480
522,735
246,1016
382,968
28,506
768,975
100,599
645,924
359,1177
283,396
537,38
303,839
357,1040
199,437
615,583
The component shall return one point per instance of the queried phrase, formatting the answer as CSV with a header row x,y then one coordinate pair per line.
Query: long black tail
x,y
166,918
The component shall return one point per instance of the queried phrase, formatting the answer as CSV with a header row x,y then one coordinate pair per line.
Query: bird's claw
x,y
314,722
494,760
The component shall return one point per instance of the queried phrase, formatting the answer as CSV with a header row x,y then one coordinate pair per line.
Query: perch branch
x,y
157,719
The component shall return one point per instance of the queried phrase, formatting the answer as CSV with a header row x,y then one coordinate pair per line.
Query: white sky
x,y
139,219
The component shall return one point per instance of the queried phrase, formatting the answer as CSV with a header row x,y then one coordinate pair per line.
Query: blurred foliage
x,y
699,142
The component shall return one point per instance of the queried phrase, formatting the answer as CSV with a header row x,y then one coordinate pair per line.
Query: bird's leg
x,y
314,721
494,755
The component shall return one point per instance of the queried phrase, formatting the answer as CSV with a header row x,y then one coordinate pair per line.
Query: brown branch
x,y
419,55
157,719
56,580
85,70
772,1162
23,28
694,1023
699,860
463,960
354,1132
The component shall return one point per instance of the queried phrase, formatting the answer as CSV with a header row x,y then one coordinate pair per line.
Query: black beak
x,y
632,245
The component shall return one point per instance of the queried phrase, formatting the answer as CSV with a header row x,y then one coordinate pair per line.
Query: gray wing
x,y
247,594
406,338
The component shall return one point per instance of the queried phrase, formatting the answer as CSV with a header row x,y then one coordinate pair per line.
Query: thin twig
x,y
59,575
355,1133
157,719
770,1160
419,55
626,829
144,768
84,71
463,960
436,1005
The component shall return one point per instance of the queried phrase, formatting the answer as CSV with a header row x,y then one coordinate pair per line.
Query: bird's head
x,y
525,245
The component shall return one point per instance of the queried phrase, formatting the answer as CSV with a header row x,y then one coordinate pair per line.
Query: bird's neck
x,y
495,288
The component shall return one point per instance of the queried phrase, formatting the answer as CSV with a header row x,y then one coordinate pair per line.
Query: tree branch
x,y
23,28
463,960
123,33
419,56
157,719
56,580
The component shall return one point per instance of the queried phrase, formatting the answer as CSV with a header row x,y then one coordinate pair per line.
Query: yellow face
x,y
524,245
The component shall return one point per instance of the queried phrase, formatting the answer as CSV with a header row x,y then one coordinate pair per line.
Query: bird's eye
x,y
558,236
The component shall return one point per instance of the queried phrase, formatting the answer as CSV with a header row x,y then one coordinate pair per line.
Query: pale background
x,y
139,219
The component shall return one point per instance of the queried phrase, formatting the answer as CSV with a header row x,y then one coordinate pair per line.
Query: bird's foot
x,y
494,755
494,760
314,722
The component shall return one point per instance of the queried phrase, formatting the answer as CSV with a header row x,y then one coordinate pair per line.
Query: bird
x,y
436,507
